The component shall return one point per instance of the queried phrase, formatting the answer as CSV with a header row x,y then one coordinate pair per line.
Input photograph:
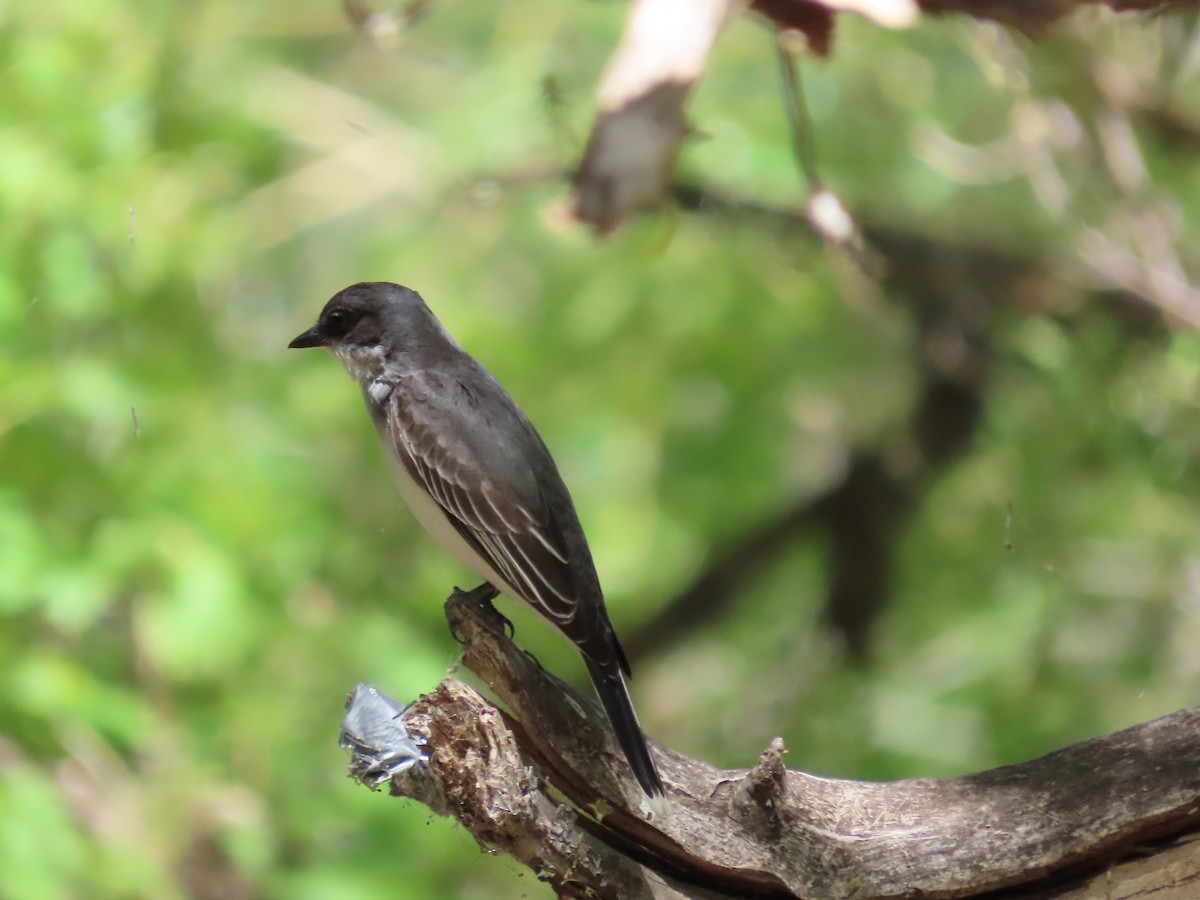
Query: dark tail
x,y
615,697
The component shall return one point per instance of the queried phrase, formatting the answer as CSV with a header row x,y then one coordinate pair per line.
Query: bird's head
x,y
367,325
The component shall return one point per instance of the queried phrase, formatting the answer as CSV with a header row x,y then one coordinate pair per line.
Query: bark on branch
x,y
1040,828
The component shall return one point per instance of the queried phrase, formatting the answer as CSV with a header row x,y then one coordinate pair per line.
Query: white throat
x,y
365,364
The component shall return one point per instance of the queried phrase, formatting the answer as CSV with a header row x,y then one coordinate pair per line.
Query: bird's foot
x,y
481,597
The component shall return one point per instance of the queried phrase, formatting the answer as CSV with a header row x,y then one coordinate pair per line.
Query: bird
x,y
479,479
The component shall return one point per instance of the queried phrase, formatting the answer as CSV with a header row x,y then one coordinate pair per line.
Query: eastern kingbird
x,y
479,479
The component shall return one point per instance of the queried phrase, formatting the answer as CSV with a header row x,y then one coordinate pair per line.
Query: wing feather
x,y
503,515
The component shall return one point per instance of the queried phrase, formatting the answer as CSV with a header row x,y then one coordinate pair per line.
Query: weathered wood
x,y
1035,827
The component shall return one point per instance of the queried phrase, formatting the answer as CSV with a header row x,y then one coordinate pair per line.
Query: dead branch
x,y
1040,828
640,123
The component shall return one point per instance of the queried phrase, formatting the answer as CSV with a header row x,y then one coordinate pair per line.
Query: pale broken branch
x,y
640,122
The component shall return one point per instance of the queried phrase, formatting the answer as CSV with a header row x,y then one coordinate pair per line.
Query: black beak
x,y
310,338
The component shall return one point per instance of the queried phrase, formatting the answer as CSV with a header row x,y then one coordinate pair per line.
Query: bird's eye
x,y
338,323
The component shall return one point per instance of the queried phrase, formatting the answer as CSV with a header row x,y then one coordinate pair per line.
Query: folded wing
x,y
476,464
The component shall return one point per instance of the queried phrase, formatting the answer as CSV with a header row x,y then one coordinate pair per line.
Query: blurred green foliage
x,y
200,552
